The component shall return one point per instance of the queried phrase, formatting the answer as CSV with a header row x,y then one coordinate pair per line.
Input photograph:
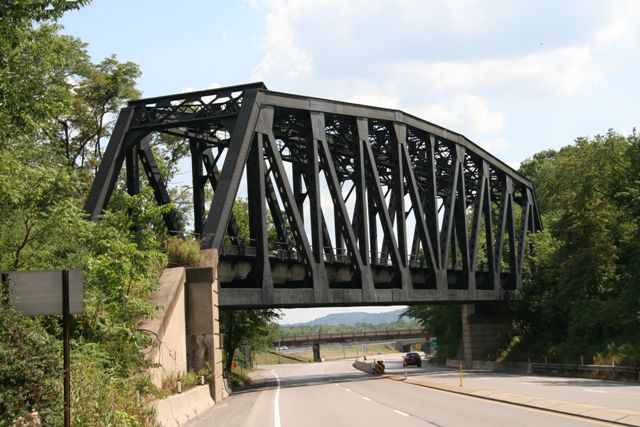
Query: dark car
x,y
413,359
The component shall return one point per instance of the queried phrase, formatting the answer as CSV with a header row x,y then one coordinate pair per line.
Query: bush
x,y
30,370
625,355
188,380
182,252
100,398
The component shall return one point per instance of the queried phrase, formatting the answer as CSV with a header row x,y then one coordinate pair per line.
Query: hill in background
x,y
354,318
351,322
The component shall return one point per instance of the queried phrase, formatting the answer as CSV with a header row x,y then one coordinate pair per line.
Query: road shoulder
x,y
620,416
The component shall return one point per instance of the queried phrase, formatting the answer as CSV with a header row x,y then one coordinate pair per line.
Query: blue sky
x,y
514,76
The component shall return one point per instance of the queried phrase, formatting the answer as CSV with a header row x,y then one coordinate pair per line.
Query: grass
x,y
239,377
187,379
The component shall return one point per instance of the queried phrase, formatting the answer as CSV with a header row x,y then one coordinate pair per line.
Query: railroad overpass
x,y
351,336
348,205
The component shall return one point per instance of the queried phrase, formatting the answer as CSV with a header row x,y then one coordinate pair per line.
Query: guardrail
x,y
628,372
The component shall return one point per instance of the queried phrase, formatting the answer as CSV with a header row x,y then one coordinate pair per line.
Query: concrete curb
x,y
176,410
611,415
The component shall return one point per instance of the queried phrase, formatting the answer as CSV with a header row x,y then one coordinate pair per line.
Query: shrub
x,y
30,369
182,252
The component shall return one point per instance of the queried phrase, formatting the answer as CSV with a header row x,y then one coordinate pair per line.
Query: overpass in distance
x,y
369,206
350,337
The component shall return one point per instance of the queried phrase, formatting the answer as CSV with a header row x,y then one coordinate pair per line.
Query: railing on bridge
x,y
283,251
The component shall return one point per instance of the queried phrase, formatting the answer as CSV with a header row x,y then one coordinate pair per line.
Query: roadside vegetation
x,y
57,110
581,288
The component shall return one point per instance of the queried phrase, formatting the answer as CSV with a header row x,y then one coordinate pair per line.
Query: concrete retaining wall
x,y
176,410
484,328
167,329
364,366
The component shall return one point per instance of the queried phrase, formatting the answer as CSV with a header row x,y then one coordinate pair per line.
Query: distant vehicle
x,y
413,359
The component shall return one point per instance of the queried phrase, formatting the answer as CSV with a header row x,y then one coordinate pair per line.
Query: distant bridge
x,y
369,206
351,336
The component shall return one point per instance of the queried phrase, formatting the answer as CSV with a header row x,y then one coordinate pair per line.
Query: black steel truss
x,y
417,213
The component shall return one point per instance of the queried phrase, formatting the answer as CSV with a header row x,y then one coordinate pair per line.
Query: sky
x,y
516,77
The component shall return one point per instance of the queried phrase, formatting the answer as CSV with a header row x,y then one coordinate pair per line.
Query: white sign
x,y
36,293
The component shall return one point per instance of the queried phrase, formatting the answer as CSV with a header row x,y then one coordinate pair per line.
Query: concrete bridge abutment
x,y
203,342
485,327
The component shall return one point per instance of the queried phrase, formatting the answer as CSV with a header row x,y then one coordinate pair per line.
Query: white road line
x,y
594,391
365,398
276,403
400,413
526,383
348,389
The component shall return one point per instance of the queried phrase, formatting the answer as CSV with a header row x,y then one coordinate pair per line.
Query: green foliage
x,y
98,92
582,284
443,322
102,398
22,12
30,369
182,251
187,380
246,327
57,109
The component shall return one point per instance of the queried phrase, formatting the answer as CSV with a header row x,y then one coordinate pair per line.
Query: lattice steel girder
x,y
388,179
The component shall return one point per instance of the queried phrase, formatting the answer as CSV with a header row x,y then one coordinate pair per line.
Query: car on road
x,y
412,359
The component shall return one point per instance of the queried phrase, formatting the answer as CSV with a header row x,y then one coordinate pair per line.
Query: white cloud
x,y
464,111
621,27
186,89
514,165
562,71
282,52
491,145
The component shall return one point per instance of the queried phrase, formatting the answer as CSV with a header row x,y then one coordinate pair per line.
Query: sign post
x,y
67,348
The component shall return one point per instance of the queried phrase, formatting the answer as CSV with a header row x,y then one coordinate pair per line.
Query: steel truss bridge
x,y
348,204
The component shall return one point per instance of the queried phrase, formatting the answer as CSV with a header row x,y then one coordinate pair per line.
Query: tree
x,y
96,96
441,321
582,287
244,327
47,80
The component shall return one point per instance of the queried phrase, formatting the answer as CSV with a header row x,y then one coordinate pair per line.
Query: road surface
x,y
335,394
613,394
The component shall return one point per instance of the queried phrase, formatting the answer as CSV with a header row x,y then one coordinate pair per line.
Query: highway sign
x,y
39,293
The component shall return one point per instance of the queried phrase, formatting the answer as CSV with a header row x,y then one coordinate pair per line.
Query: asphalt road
x,y
335,394
612,394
